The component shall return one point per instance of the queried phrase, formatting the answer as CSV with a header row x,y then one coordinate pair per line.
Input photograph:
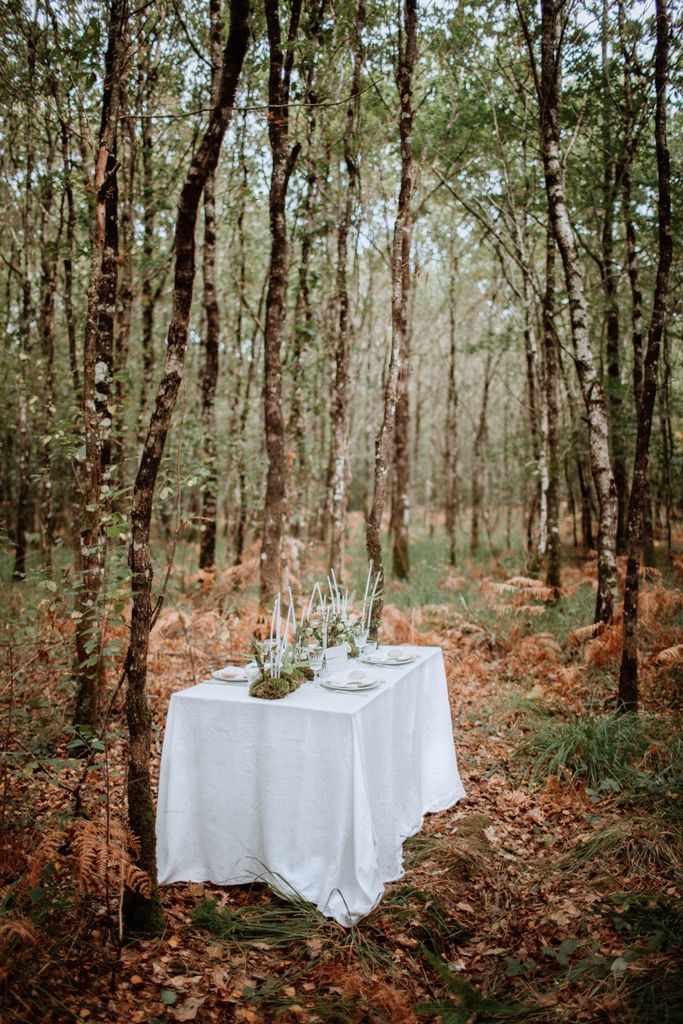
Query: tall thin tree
x,y
338,470
554,15
628,672
143,913
98,356
400,257
283,160
212,325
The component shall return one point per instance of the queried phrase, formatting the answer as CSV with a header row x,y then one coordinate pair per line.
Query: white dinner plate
x,y
384,659
230,674
341,682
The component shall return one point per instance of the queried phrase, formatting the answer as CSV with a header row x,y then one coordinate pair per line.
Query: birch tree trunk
x,y
338,469
552,413
207,544
451,450
553,15
283,160
400,255
97,380
608,274
628,673
143,914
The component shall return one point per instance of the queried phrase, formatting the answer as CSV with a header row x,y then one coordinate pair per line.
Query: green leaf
x,y
169,996
564,949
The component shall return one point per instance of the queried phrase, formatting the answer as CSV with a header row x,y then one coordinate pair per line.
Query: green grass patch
x,y
465,1003
601,751
638,846
278,923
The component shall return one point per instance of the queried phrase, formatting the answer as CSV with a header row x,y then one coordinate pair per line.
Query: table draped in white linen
x,y
314,793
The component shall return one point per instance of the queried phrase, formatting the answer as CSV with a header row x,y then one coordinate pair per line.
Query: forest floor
x,y
551,893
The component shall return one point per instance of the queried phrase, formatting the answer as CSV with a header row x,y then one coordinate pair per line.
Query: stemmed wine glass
x,y
316,659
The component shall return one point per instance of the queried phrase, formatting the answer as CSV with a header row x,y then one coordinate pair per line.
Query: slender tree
x,y
609,278
338,469
26,331
451,446
478,459
400,269
554,15
143,913
628,673
212,327
552,416
283,160
97,383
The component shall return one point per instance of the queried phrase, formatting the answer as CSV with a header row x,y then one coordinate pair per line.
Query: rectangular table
x,y
313,793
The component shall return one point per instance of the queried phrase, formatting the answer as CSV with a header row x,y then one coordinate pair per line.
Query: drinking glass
x,y
369,647
315,660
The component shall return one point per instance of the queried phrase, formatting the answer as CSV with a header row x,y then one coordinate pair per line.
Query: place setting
x,y
315,646
388,657
353,681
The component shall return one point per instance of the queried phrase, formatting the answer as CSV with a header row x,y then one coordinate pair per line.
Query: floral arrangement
x,y
281,666
326,621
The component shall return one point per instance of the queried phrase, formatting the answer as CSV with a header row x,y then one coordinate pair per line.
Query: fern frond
x,y
535,610
18,929
501,588
669,657
526,583
584,633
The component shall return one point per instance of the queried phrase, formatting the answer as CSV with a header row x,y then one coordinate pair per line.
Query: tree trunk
x,y
400,271
628,673
553,13
608,274
283,160
451,448
23,506
49,248
624,176
668,447
148,294
97,380
338,469
303,329
531,356
143,914
400,568
552,430
478,462
124,311
207,544
69,246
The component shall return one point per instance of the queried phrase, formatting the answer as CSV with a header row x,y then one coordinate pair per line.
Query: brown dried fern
x,y
95,857
670,657
584,633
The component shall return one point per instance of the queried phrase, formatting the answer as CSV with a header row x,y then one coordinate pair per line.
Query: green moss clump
x,y
268,688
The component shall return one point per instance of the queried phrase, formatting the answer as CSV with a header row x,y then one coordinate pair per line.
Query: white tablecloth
x,y
314,793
